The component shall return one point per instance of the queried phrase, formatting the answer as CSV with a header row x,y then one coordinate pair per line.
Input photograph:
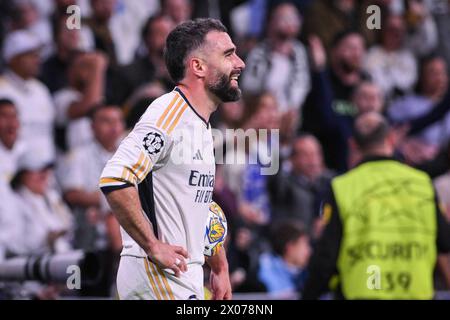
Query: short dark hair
x,y
148,24
424,62
285,231
6,102
302,135
341,35
93,112
366,139
185,38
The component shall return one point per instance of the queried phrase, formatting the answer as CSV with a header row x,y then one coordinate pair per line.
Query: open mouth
x,y
235,77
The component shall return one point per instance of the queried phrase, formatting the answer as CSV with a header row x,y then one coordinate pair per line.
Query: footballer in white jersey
x,y
174,175
160,181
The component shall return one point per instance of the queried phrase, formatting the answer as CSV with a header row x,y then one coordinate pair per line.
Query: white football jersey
x,y
169,157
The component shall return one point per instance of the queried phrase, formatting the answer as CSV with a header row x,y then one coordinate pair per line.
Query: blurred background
x,y
69,95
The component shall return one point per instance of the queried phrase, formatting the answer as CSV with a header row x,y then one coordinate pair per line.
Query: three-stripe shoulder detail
x,y
172,114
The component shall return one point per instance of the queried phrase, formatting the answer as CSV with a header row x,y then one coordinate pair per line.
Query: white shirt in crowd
x,y
390,70
286,77
79,131
36,114
81,170
12,223
83,166
42,215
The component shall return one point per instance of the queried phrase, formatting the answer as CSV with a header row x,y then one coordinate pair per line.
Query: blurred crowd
x,y
69,95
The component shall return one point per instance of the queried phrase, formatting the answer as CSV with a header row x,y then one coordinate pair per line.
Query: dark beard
x,y
223,90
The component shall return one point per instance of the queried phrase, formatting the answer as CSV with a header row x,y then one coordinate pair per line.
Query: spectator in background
x,y
12,230
391,64
96,227
368,97
30,96
329,113
178,10
441,15
243,251
99,24
79,173
54,69
47,220
283,270
422,36
218,10
247,181
19,233
150,67
297,193
279,64
432,87
25,16
11,150
327,18
86,76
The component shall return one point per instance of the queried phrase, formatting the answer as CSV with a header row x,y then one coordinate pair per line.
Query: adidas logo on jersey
x,y
198,155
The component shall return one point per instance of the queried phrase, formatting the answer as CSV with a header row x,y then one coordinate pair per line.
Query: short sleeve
x,y
146,148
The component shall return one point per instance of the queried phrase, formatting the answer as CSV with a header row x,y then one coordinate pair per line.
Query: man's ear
x,y
198,67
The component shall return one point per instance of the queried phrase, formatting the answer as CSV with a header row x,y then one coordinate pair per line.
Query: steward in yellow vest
x,y
384,226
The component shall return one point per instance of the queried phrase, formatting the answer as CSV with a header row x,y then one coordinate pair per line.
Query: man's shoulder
x,y
164,111
39,85
393,166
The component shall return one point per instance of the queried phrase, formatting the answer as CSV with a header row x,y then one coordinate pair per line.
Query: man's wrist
x,y
150,247
218,265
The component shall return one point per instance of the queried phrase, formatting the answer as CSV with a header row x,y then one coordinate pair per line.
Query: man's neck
x,y
382,151
203,103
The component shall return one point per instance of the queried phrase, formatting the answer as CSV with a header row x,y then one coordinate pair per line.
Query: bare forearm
x,y
125,205
92,96
218,262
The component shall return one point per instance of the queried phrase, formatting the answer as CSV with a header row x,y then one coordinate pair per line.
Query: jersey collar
x,y
190,106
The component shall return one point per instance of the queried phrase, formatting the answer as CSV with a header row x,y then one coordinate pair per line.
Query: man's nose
x,y
240,63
